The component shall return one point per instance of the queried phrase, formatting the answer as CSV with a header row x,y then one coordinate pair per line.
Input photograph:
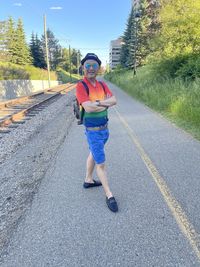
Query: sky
x,y
87,25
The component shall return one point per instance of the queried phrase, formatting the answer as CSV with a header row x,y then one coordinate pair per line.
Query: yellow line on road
x,y
178,213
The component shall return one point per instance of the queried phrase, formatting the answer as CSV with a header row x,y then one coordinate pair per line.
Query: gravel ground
x,y
25,155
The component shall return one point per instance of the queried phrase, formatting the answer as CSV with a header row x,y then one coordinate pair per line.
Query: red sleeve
x,y
108,91
81,93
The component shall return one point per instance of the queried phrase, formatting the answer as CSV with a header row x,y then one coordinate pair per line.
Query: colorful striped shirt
x,y
96,92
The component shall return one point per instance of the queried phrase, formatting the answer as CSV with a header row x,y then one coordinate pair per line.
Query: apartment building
x,y
114,54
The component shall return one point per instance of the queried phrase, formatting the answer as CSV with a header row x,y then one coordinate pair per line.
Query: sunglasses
x,y
95,66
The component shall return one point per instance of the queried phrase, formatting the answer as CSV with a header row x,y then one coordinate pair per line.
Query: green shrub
x,y
169,67
186,67
191,69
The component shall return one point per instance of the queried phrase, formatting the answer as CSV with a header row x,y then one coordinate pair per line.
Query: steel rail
x,y
14,115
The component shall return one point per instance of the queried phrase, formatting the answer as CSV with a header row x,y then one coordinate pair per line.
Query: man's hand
x,y
90,106
99,106
109,102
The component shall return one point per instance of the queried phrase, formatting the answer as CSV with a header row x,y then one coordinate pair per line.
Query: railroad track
x,y
17,111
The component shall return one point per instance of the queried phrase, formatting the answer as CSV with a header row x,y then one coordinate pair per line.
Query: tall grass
x,y
65,76
9,71
174,98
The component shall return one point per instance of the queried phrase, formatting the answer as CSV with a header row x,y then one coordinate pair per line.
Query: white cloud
x,y
56,7
17,4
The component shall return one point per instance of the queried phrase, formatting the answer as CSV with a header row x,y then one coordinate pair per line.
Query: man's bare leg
x,y
101,172
89,169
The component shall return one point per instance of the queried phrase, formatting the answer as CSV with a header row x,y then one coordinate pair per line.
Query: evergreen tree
x,y
54,49
32,46
20,52
124,56
3,41
127,50
11,36
40,56
37,52
142,27
135,48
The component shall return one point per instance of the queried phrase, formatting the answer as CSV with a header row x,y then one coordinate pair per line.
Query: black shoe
x,y
112,204
88,185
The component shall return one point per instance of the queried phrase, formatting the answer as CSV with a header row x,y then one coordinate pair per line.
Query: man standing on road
x,y
95,120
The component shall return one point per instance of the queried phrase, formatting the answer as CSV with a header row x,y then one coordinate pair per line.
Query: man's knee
x,y
101,165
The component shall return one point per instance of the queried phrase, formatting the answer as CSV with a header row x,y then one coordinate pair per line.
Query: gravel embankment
x,y
25,155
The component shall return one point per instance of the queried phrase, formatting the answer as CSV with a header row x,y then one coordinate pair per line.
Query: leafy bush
x,y
169,67
186,67
191,69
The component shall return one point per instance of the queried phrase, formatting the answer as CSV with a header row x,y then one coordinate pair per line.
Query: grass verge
x,y
175,99
65,76
9,71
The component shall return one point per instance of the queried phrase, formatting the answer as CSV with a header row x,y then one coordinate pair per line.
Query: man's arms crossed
x,y
99,106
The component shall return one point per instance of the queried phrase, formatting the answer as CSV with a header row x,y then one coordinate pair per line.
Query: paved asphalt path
x,y
68,225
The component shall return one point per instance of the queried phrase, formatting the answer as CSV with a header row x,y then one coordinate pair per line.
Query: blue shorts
x,y
96,141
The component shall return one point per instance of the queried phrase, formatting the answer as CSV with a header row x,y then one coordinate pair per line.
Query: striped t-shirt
x,y
96,92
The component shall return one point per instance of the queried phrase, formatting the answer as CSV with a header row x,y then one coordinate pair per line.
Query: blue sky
x,y
88,25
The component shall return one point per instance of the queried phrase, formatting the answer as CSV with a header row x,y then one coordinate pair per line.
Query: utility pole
x,y
78,62
47,51
137,16
134,67
70,66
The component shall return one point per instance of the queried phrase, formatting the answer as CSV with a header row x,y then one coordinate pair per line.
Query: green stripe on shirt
x,y
96,114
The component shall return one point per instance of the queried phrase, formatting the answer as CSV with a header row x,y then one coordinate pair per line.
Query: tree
x,y
127,50
40,56
142,27
10,38
54,49
33,48
179,32
3,41
20,53
66,59
37,52
153,27
64,62
143,34
75,55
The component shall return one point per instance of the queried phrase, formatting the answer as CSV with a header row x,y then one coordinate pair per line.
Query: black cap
x,y
91,56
